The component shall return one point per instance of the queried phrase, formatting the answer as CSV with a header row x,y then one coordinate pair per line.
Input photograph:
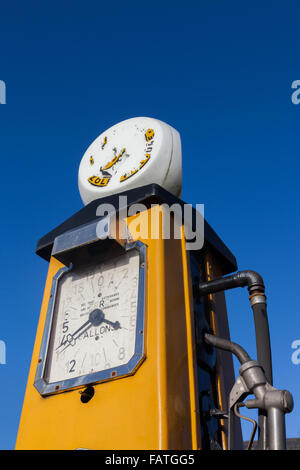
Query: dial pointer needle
x,y
73,335
116,325
96,317
74,339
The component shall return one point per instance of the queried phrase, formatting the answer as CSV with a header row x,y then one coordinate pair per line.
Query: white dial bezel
x,y
46,388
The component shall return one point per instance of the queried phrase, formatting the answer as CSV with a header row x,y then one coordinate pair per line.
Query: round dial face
x,y
94,319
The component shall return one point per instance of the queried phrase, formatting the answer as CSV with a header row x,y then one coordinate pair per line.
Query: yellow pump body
x,y
165,403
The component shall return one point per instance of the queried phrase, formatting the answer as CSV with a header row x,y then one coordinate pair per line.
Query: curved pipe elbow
x,y
251,279
227,345
248,278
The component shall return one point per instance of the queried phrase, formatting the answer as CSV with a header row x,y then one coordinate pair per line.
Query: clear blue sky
x,y
218,71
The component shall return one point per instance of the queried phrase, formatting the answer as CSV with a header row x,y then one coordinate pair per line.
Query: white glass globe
x,y
132,153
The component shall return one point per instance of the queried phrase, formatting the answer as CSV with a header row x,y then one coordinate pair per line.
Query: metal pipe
x,y
276,429
256,289
227,345
248,278
275,403
263,348
262,333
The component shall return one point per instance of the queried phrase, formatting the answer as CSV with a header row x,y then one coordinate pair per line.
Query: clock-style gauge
x,y
131,153
94,328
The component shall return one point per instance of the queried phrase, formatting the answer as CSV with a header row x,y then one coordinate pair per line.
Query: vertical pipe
x,y
262,333
276,429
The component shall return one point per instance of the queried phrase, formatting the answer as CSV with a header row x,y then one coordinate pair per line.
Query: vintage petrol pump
x,y
133,348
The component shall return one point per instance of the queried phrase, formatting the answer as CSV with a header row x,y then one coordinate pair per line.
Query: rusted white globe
x,y
130,154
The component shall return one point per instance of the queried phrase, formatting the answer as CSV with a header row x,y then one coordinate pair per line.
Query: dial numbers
x,y
94,319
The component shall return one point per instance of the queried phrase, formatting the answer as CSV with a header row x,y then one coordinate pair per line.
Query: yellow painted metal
x,y
214,324
191,347
156,408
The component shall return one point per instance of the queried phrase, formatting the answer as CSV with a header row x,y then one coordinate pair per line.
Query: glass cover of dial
x,y
94,319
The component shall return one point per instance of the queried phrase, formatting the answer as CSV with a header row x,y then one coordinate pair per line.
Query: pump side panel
x,y
148,410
